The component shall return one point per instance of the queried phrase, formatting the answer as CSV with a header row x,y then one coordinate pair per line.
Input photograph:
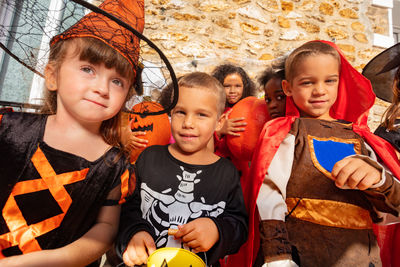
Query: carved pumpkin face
x,y
157,128
255,112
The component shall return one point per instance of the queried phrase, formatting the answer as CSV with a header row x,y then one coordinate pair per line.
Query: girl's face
x,y
86,92
314,86
275,98
233,85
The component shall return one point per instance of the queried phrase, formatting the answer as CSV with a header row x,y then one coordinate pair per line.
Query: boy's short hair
x,y
308,49
206,82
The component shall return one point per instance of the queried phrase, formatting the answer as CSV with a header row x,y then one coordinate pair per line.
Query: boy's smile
x,y
194,120
314,86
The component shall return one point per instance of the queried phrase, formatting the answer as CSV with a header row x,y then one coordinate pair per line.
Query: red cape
x,y
355,98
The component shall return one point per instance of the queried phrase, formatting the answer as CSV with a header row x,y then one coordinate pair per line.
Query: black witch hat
x,y
29,26
381,71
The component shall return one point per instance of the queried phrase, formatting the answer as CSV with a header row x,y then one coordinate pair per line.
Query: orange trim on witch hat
x,y
98,26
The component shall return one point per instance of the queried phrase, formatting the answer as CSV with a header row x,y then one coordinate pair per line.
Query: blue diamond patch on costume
x,y
325,152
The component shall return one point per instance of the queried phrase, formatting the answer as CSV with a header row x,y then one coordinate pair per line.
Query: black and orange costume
x,y
49,198
383,71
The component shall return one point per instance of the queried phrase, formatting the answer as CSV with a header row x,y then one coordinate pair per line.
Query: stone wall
x,y
200,34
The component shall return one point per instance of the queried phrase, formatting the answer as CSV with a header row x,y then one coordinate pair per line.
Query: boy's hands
x,y
231,126
139,249
200,234
355,173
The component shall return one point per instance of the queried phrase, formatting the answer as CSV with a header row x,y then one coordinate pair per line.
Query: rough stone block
x,y
348,13
361,37
358,26
309,27
287,6
326,9
250,28
266,57
291,35
252,12
222,22
307,5
185,16
346,48
283,22
212,5
269,5
336,33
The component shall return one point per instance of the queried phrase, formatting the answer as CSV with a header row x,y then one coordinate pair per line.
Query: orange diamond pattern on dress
x,y
21,233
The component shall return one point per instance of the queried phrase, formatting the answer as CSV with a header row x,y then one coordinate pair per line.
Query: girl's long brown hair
x,y
96,52
393,111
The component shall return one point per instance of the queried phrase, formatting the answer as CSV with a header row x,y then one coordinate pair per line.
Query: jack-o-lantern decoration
x,y
157,127
255,112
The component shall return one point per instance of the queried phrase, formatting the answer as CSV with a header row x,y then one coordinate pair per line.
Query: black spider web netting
x,y
28,26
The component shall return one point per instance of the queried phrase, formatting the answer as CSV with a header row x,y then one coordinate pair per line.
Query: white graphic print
x,y
165,210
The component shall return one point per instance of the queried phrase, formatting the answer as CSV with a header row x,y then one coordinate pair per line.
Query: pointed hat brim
x,y
381,71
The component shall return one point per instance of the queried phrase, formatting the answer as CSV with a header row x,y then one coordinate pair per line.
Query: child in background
x,y
192,190
238,85
384,73
271,81
317,181
390,127
70,162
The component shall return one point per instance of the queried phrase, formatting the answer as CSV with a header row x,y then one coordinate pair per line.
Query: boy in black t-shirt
x,y
185,194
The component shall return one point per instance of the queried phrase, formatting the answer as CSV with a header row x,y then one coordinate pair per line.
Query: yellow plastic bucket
x,y
174,257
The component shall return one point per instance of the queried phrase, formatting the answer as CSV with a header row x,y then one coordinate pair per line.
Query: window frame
x,y
382,40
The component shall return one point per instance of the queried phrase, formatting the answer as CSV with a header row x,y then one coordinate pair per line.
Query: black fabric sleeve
x,y
393,137
232,224
124,168
131,221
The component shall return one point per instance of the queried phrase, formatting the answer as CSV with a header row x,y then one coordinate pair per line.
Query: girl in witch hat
x,y
384,73
64,173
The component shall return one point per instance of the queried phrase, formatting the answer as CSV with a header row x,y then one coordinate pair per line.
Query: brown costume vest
x,y
328,226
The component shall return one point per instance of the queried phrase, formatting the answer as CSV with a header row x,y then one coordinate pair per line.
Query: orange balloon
x,y
255,112
157,128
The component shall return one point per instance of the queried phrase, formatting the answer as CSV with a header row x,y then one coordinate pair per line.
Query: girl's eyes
x,y
87,69
280,97
118,82
232,85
